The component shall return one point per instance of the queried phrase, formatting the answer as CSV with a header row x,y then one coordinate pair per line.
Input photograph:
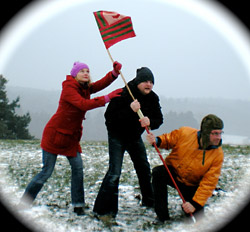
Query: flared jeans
x,y
107,198
49,161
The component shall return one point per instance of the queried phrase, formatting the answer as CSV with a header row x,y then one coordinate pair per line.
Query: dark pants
x,y
160,182
107,199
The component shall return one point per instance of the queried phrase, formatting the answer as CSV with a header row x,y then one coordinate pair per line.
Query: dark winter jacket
x,y
123,122
63,132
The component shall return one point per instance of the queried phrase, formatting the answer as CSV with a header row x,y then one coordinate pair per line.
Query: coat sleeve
x,y
169,140
102,83
70,94
156,117
119,110
209,182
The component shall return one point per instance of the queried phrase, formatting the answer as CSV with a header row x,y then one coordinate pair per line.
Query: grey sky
x,y
188,55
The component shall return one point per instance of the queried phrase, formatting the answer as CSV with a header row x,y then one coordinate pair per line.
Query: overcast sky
x,y
193,49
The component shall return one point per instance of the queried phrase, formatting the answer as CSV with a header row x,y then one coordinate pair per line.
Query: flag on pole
x,y
114,27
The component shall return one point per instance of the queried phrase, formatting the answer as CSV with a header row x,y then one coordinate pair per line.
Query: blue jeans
x,y
107,199
49,161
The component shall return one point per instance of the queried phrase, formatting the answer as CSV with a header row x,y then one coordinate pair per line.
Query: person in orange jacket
x,y
195,163
63,131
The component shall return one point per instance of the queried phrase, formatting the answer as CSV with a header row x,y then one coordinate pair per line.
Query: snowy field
x,y
52,211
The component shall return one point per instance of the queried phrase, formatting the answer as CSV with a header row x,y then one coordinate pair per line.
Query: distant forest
x,y
42,104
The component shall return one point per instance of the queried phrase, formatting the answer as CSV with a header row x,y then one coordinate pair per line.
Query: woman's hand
x,y
116,68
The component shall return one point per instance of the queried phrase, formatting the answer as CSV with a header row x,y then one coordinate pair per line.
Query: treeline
x,y
174,120
12,125
177,112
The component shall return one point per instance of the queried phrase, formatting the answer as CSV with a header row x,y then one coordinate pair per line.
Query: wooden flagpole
x,y
139,112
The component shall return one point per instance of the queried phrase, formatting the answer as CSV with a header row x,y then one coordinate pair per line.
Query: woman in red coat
x,y
63,132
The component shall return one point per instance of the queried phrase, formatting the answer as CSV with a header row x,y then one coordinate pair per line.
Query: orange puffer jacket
x,y
186,158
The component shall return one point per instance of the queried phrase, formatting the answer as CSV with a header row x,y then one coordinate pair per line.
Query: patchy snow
x,y
52,211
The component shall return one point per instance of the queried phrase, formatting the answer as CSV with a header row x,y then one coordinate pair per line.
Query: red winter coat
x,y
63,132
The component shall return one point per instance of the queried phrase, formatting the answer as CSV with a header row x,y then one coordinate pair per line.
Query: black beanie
x,y
209,123
144,74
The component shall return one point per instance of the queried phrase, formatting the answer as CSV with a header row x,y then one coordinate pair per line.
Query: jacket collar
x,y
71,78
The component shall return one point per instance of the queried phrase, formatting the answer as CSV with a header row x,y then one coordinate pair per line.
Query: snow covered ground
x,y
21,160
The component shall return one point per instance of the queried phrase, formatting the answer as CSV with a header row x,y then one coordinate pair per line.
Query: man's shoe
x,y
107,219
158,222
79,211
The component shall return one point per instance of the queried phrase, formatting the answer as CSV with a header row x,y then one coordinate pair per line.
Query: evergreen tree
x,y
12,126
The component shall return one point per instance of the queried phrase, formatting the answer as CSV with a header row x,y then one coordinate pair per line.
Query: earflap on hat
x,y
209,123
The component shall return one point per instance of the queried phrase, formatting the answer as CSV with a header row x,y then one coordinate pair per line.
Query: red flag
x,y
113,27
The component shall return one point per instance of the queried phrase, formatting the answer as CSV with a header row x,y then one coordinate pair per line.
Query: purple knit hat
x,y
77,67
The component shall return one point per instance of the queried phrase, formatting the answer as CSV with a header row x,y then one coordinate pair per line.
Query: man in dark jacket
x,y
124,134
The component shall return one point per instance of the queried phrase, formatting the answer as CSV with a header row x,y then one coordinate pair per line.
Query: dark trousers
x,y
160,182
107,198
